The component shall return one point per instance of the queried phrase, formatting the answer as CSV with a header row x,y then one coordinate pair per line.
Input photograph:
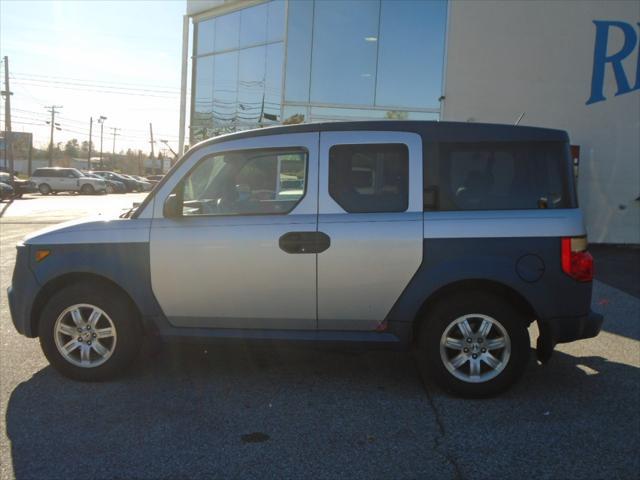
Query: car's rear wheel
x,y
110,189
87,189
44,189
475,344
89,332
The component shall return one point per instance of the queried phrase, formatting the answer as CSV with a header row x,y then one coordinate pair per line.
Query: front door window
x,y
262,182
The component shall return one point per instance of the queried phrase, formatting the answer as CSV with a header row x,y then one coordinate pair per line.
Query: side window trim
x,y
413,142
154,204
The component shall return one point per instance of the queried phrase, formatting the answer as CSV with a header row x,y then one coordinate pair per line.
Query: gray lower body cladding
x,y
530,267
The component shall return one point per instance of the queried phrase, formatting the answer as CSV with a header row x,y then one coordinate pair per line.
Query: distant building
x,y
568,65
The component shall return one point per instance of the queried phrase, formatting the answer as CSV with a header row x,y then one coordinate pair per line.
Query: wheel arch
x,y
516,299
71,278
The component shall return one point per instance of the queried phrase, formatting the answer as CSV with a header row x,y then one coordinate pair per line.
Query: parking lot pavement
x,y
243,411
65,206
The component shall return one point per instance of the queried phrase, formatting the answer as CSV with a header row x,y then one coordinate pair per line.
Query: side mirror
x,y
171,207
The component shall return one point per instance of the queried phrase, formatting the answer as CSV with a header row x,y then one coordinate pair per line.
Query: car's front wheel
x,y
89,333
44,189
87,189
475,344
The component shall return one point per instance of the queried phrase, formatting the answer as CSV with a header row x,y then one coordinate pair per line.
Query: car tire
x,y
87,189
475,344
44,189
105,344
110,189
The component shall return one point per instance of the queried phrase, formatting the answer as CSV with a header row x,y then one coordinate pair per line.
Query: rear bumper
x,y
570,329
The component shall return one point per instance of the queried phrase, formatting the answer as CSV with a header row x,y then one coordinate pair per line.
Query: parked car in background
x,y
6,191
113,186
59,179
146,185
153,179
130,184
20,187
453,237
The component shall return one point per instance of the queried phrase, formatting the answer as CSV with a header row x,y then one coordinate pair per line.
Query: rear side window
x,y
497,176
369,178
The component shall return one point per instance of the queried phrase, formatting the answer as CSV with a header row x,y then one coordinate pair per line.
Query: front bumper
x,y
22,293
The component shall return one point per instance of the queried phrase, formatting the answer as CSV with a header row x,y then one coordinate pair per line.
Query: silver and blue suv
x,y
448,236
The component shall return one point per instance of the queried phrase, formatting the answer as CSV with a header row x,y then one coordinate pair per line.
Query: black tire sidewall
x,y
494,306
116,305
44,189
87,189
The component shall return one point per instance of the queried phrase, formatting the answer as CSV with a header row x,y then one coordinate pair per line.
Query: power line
x,y
98,81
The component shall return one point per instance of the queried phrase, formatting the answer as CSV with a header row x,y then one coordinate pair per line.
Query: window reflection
x,y
253,25
411,53
299,35
202,121
344,51
225,91
227,32
205,36
251,85
238,81
345,60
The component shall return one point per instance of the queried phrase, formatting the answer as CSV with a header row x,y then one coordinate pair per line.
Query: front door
x,y
370,206
241,252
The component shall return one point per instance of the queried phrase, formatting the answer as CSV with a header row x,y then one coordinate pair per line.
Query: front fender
x,y
125,264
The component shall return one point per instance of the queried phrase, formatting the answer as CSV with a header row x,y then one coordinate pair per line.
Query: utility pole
x,y
52,110
89,154
153,160
7,117
101,122
113,150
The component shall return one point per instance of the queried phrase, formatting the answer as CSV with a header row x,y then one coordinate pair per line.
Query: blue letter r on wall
x,y
600,59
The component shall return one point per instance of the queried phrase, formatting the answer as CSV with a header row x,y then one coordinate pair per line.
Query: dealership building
x,y
568,65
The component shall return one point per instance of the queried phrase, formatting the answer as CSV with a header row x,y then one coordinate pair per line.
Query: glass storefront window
x,y
253,25
273,83
298,67
205,36
325,114
345,60
411,53
345,35
227,32
251,85
275,21
225,91
202,120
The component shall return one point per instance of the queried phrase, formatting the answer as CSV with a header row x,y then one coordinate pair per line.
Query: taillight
x,y
576,261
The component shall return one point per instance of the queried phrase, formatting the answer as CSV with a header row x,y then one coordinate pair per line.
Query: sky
x,y
119,58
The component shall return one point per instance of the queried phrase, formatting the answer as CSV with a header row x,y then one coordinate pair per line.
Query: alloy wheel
x,y
475,348
85,335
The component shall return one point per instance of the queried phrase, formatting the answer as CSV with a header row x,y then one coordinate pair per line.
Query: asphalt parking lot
x,y
244,411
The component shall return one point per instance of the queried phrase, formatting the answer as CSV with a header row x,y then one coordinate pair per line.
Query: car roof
x,y
429,130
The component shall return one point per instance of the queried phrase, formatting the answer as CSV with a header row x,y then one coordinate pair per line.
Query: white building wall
x,y
509,57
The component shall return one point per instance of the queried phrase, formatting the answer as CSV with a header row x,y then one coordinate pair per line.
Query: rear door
x,y
370,206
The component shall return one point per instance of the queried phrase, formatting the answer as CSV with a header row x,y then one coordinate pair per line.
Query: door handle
x,y
304,242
